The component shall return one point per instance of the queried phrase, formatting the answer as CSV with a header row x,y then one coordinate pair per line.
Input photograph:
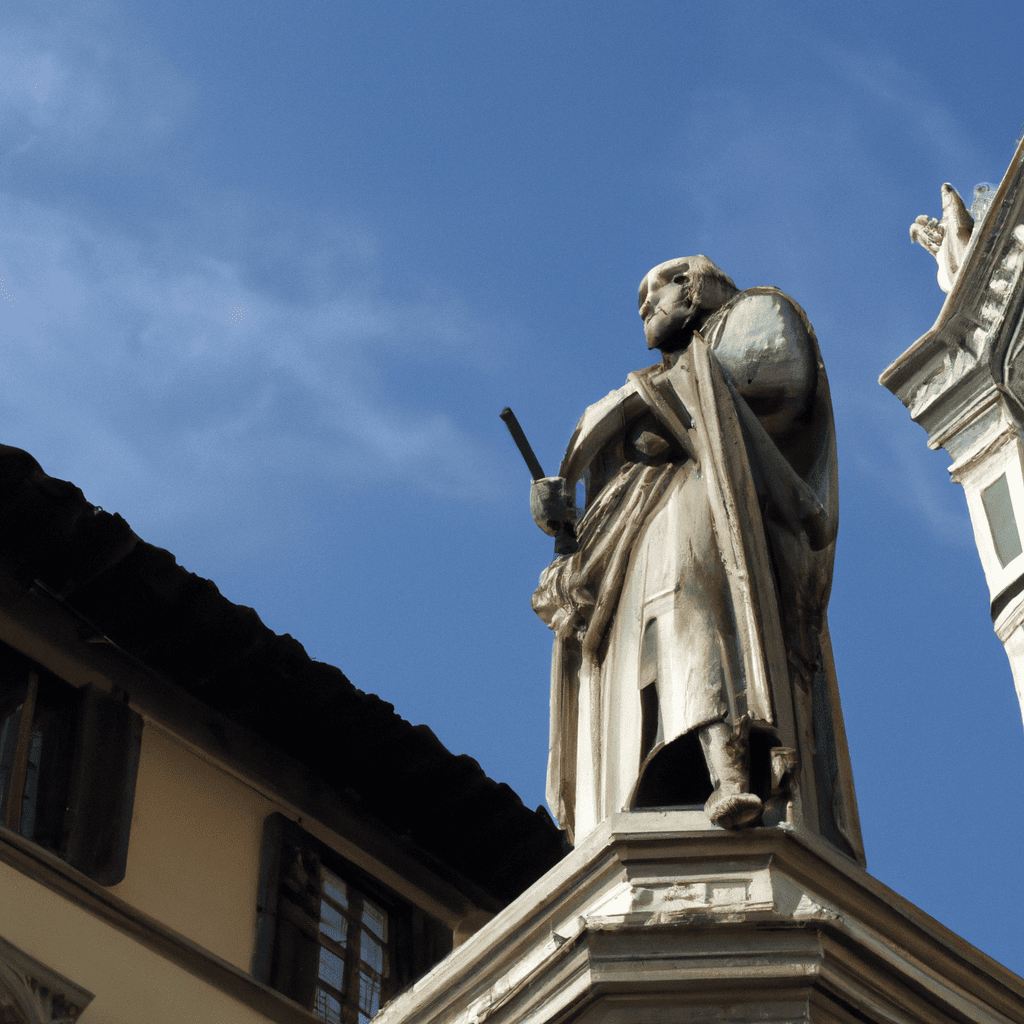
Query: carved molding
x,y
1001,432
971,332
32,993
1008,277
952,367
940,377
652,920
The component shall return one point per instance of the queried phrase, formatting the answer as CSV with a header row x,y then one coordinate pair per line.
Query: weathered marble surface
x,y
653,922
690,625
946,239
963,381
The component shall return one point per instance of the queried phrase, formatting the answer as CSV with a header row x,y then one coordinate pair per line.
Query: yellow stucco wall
x,y
194,853
130,983
193,865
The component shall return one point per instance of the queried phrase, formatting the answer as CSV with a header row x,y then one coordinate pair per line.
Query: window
x,y
354,954
68,761
1001,520
331,937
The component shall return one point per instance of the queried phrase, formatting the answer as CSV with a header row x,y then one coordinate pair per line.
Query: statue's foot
x,y
733,810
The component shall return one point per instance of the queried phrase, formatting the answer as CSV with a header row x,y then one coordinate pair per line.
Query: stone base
x,y
660,917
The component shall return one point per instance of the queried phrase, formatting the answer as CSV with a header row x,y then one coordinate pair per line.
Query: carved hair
x,y
713,287
710,286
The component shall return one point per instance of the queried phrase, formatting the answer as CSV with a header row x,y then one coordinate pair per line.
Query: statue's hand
x,y
928,232
946,239
552,503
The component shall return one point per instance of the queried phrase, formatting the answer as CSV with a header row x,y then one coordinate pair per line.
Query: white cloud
x,y
756,184
155,364
882,76
168,371
751,165
887,459
67,92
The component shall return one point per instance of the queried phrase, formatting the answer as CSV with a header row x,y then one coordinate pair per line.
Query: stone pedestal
x,y
659,916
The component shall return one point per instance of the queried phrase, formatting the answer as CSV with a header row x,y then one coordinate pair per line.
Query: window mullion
x,y
355,949
19,767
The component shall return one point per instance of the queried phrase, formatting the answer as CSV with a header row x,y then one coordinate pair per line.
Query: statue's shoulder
x,y
764,342
759,316
616,403
766,307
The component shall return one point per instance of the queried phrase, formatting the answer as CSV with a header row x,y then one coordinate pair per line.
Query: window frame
x,y
350,952
289,940
84,785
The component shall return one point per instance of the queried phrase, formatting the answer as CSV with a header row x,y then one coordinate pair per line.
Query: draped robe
x,y
705,556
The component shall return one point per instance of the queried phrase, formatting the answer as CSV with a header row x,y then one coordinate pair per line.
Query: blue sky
x,y
270,271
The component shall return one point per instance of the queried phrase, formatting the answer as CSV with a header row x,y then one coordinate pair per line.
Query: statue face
x,y
669,304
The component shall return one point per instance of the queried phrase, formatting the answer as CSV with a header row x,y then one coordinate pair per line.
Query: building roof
x,y
180,626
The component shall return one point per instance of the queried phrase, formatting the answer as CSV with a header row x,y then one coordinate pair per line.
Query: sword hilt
x,y
565,539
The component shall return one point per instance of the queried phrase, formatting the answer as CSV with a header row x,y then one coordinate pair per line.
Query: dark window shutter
x,y
266,897
56,718
288,940
287,951
102,785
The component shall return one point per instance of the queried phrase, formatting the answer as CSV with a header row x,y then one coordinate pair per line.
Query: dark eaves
x,y
180,626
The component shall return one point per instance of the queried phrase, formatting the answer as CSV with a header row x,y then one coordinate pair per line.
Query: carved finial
x,y
946,239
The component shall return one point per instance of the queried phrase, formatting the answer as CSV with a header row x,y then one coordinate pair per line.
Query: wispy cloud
x,y
763,160
159,364
68,91
178,367
920,112
887,458
755,186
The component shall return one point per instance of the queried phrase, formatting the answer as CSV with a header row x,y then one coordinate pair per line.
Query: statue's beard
x,y
671,330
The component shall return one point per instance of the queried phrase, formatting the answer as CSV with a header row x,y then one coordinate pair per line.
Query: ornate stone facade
x,y
32,993
650,922
963,381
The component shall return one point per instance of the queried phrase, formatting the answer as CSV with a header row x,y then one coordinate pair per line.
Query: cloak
x,y
704,565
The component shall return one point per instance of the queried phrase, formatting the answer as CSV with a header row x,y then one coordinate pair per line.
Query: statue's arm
x,y
601,423
947,239
553,498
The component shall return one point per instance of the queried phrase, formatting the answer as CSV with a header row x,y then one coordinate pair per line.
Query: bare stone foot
x,y
733,810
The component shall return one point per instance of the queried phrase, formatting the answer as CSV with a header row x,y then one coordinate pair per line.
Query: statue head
x,y
676,297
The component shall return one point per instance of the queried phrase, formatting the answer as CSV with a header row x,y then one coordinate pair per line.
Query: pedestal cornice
x,y
659,916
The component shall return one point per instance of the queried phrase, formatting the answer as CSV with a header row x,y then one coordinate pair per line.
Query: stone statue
x,y
694,606
946,239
